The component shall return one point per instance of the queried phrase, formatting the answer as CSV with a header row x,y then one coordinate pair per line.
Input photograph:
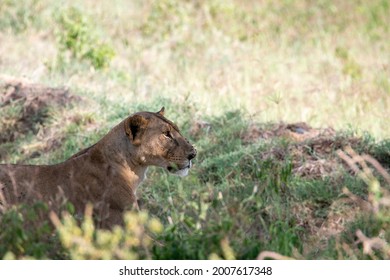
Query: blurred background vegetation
x,y
227,71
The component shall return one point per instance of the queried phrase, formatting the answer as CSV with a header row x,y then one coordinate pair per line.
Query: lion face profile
x,y
158,142
107,174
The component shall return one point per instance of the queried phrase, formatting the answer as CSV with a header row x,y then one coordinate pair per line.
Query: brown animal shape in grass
x,y
106,174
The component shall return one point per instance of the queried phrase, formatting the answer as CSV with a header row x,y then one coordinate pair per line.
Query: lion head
x,y
157,141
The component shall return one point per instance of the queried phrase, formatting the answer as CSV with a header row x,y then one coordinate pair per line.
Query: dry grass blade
x,y
54,219
378,199
272,255
350,160
363,204
371,244
377,166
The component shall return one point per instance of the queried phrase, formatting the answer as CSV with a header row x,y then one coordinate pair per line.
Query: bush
x,y
27,233
133,241
77,37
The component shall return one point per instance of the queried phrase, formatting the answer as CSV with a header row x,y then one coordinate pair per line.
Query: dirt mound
x,y
26,106
311,151
25,109
296,131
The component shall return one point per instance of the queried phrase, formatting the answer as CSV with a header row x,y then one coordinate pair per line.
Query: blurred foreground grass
x,y
218,67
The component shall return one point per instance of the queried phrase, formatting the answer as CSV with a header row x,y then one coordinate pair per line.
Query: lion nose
x,y
192,154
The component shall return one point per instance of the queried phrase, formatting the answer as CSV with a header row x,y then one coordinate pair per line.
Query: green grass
x,y
230,64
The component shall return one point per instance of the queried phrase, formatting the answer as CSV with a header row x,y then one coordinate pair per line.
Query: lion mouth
x,y
180,171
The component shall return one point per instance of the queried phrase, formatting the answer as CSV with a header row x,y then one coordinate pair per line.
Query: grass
x,y
229,65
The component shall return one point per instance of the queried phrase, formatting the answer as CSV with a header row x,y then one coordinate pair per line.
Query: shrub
x,y
77,37
133,241
26,233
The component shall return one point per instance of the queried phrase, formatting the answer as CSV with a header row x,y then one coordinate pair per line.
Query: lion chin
x,y
181,172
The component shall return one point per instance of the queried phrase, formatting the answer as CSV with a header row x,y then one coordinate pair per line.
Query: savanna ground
x,y
287,103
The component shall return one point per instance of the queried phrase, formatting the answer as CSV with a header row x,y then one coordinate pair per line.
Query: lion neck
x,y
115,150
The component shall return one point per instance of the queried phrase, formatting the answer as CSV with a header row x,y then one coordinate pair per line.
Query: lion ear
x,y
162,111
134,127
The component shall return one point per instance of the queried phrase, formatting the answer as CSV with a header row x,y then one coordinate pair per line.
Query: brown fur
x,y
106,174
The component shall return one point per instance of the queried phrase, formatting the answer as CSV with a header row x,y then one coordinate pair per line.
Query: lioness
x,y
106,174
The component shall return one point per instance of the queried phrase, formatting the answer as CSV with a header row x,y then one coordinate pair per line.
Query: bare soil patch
x,y
311,150
25,108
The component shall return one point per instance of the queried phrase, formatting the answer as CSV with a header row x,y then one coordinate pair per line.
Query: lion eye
x,y
168,134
